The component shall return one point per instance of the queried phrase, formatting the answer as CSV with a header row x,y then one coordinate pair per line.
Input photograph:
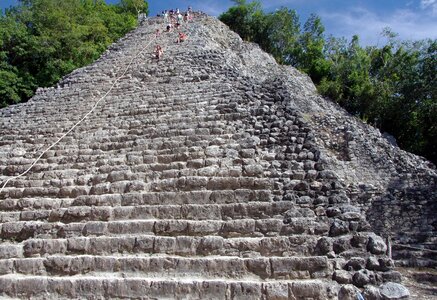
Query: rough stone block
x,y
204,227
376,245
9,251
11,230
29,266
144,244
260,267
269,227
342,277
165,245
392,291
312,290
348,292
213,290
28,287
77,245
277,291
210,245
239,228
128,227
65,287
201,212
186,245
95,229
243,291
170,227
220,183
6,267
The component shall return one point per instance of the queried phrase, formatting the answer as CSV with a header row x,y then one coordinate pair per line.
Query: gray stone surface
x,y
213,173
391,290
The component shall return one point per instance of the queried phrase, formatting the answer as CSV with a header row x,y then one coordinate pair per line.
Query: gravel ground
x,y
422,283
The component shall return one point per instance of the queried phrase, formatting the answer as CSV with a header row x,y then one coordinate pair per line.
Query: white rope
x,y
415,248
80,121
85,116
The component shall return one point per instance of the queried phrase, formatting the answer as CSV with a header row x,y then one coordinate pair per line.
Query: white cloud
x,y
429,4
410,22
368,25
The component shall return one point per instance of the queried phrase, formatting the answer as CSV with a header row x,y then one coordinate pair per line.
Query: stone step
x,y
29,204
172,184
173,266
296,245
92,287
254,210
137,199
20,231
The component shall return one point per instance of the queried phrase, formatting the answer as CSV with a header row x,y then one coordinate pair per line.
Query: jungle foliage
x,y
43,40
392,87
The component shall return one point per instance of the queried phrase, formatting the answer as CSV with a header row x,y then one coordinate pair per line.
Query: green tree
x,y
134,6
240,18
43,40
348,81
283,30
311,58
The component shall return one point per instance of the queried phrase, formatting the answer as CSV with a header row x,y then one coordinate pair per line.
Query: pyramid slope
x,y
212,173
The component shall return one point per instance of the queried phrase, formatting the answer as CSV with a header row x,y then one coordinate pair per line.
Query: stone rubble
x,y
212,173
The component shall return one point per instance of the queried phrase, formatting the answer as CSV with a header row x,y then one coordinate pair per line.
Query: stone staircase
x,y
195,178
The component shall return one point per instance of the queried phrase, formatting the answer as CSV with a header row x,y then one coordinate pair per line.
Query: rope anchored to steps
x,y
415,248
82,119
86,115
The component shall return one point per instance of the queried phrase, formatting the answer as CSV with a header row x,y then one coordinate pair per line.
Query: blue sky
x,y
411,19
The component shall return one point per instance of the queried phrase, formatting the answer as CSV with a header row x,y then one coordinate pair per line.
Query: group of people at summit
x,y
174,20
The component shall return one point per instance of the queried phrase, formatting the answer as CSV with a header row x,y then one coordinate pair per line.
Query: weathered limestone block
x,y
210,245
95,229
348,292
339,228
394,291
212,174
144,244
372,293
11,230
245,291
376,245
126,227
29,286
315,290
198,212
253,170
170,227
9,251
363,278
218,183
342,277
239,228
277,291
6,267
301,267
30,266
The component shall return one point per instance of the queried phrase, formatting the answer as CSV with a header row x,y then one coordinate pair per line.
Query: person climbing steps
x,y
158,52
181,37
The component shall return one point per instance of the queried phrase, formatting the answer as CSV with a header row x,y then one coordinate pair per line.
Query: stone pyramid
x,y
213,173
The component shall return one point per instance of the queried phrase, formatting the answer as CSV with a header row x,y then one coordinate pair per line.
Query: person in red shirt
x,y
182,37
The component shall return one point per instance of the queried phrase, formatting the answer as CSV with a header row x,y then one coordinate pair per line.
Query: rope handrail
x,y
415,248
82,119
86,115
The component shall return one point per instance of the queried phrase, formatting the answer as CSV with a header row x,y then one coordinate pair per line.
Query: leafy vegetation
x,y
392,87
43,40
